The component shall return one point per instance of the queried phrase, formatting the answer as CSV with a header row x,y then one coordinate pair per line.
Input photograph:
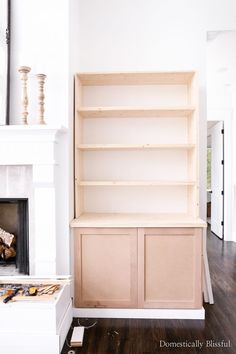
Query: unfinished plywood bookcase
x,y
138,236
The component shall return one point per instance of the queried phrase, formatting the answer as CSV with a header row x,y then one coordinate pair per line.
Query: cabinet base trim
x,y
186,314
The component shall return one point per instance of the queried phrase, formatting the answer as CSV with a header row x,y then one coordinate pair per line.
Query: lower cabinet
x,y
106,268
138,267
170,268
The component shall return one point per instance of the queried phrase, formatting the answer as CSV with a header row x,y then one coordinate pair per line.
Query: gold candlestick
x,y
24,70
41,81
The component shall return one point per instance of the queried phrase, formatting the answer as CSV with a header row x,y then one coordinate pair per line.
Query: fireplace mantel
x,y
28,145
37,147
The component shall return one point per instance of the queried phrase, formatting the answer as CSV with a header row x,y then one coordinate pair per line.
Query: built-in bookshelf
x,y
136,146
136,191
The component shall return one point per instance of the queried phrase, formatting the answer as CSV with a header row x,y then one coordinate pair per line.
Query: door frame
x,y
226,115
210,133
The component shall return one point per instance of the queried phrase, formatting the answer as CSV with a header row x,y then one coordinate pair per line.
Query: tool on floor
x,y
49,290
32,291
10,297
53,289
9,291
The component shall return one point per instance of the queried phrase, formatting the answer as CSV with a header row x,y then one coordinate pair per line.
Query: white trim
x,y
32,127
38,147
22,339
188,314
30,133
65,325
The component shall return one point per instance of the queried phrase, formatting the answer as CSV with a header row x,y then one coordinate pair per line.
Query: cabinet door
x,y
170,268
106,267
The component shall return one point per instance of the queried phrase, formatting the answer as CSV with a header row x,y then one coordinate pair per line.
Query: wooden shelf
x,y
126,112
168,140
136,220
148,78
135,183
92,147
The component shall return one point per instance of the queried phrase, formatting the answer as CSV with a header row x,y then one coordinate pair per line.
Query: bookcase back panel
x,y
153,165
135,131
136,199
154,95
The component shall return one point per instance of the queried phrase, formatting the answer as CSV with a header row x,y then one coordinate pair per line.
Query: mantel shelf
x,y
135,112
134,146
37,128
135,183
136,220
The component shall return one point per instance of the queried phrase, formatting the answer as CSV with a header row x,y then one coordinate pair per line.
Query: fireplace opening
x,y
14,236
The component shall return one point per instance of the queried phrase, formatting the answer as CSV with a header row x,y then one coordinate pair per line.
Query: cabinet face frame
x,y
78,156
80,301
193,156
196,301
137,267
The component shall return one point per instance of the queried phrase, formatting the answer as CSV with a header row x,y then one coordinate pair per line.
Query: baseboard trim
x,y
188,314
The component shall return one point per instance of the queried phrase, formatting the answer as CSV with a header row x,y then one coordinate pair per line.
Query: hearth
x,y
14,250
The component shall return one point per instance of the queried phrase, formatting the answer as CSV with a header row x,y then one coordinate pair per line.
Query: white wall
x,y
221,79
234,161
221,69
40,40
3,60
61,37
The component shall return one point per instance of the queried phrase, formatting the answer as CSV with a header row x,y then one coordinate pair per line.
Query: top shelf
x,y
148,78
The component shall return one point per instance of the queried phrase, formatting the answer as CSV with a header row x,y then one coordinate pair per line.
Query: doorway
x,y
215,177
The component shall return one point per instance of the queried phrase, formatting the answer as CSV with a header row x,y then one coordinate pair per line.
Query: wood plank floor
x,y
123,336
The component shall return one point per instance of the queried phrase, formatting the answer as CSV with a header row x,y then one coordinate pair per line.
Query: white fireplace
x,y
29,166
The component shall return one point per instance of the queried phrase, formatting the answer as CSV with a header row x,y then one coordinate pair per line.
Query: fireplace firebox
x,y
14,220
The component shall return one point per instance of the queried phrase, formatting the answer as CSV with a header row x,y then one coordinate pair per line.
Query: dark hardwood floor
x,y
124,336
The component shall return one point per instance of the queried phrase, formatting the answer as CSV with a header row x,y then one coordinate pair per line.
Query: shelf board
x,y
136,183
92,147
126,112
136,220
136,78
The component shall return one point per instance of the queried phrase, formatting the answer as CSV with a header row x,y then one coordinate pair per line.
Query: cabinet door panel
x,y
106,268
170,270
